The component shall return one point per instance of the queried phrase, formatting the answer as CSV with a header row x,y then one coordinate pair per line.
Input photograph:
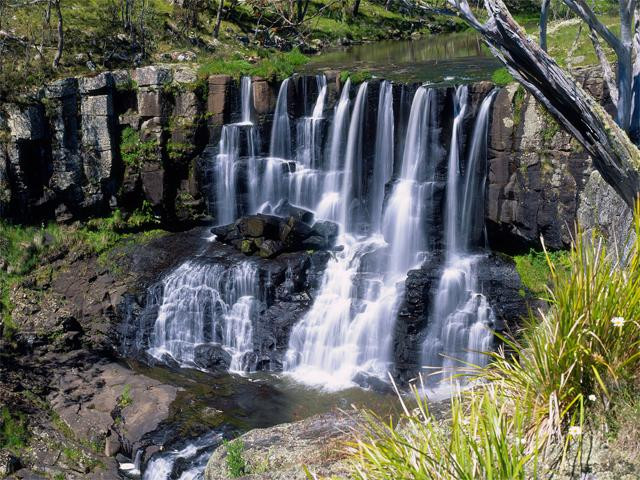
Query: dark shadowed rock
x,y
211,357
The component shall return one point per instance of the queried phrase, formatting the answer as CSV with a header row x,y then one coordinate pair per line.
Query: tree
x,y
60,46
614,154
216,28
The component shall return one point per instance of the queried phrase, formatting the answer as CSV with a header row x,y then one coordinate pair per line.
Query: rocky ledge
x,y
280,452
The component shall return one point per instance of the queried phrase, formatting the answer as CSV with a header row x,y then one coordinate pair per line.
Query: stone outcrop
x,y
268,235
279,453
537,173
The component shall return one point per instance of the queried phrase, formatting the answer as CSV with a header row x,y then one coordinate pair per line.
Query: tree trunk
x,y
544,19
356,8
216,29
614,155
58,57
302,6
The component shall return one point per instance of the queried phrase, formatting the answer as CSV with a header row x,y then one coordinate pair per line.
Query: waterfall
x,y
348,332
452,217
383,163
199,304
351,181
237,140
459,328
280,146
328,206
246,99
225,174
195,455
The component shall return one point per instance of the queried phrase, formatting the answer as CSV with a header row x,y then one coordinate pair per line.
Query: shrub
x,y
134,151
534,270
236,463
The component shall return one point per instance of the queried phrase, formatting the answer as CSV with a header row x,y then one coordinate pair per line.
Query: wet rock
x,y
211,357
270,236
9,463
285,209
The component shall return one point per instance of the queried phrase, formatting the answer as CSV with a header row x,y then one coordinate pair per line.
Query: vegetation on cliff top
x,y
102,34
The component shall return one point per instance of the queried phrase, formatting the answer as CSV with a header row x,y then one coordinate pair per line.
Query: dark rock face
x,y
268,236
537,172
286,282
498,281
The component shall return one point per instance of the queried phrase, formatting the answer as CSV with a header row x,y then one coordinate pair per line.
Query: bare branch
x,y
614,155
583,10
607,71
464,10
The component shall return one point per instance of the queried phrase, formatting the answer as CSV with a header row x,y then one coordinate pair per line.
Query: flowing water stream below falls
x,y
401,170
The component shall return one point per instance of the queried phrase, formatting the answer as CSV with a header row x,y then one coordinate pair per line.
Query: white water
x,y
348,331
459,329
197,453
202,303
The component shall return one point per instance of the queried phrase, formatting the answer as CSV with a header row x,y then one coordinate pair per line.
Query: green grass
x,y
13,430
236,464
275,66
125,398
502,77
356,77
482,438
535,271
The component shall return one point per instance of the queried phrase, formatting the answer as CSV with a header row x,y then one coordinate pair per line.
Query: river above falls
x,y
442,59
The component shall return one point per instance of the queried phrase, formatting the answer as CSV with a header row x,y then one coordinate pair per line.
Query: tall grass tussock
x,y
523,415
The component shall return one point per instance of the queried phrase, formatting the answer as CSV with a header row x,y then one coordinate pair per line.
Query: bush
x,y
134,151
484,438
235,460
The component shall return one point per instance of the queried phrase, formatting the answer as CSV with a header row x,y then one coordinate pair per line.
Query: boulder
x,y
285,209
211,357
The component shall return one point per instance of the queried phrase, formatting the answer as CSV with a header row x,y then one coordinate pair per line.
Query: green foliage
x,y
125,398
13,430
134,151
177,150
236,463
483,438
535,272
502,77
356,77
518,105
274,66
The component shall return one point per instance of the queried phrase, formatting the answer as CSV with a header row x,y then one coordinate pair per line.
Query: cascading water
x,y
348,331
459,329
237,140
199,304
